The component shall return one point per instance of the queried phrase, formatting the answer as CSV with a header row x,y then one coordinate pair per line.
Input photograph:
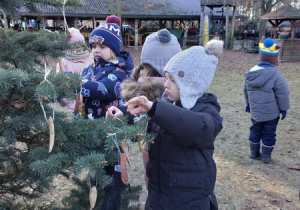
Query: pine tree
x,y
30,90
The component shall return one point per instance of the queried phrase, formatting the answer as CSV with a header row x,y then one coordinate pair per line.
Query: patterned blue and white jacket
x,y
101,84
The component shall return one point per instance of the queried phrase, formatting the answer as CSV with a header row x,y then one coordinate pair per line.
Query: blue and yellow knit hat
x,y
268,47
268,51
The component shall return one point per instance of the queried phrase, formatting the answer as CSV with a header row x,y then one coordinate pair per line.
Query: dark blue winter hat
x,y
108,34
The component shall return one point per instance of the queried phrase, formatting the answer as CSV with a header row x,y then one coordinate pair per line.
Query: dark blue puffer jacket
x,y
181,169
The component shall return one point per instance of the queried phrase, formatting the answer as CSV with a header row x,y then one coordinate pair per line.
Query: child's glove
x,y
247,109
283,114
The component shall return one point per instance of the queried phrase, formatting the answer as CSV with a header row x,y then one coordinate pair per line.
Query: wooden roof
x,y
283,13
140,9
160,9
218,3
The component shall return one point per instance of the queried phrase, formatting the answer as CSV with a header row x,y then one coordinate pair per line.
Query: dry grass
x,y
243,183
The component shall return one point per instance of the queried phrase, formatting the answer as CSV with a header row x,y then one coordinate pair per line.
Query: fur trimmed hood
x,y
152,90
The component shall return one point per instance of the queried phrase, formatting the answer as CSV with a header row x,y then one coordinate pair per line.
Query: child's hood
x,y
210,98
125,61
259,77
152,90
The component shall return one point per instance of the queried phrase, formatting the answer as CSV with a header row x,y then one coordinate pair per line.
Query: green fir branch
x,y
50,166
94,160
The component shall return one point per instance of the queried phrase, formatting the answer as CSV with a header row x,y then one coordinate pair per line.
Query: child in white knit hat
x,y
181,168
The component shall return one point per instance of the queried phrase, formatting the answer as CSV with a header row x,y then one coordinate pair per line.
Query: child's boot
x,y
254,151
266,153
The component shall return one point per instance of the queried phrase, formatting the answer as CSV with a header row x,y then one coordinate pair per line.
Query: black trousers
x,y
112,196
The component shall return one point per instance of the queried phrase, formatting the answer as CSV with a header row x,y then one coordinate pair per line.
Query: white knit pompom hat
x,y
193,70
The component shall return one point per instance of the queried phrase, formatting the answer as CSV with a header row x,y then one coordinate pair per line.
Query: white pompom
x,y
214,47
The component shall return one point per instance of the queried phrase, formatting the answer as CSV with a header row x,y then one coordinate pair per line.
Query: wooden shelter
x,y
290,48
222,4
139,17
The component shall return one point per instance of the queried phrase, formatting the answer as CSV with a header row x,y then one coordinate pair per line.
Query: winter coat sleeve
x,y
188,128
246,94
282,93
107,88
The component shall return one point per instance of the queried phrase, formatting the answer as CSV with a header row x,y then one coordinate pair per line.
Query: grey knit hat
x,y
158,48
193,70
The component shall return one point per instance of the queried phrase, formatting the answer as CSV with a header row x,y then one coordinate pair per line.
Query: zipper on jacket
x,y
158,169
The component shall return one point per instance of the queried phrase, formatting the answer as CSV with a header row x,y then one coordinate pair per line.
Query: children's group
x,y
170,88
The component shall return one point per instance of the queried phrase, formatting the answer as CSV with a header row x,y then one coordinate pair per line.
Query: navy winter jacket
x,y
181,169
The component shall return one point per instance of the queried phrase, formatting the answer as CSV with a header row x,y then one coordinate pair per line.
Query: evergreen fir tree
x,y
28,104
21,128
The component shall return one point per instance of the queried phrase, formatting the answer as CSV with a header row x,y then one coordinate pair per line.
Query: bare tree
x,y
266,7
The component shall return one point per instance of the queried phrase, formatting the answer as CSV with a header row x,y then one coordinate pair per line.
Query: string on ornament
x,y
50,121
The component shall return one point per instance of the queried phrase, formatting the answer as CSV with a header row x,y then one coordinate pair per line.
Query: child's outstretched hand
x,y
113,112
138,105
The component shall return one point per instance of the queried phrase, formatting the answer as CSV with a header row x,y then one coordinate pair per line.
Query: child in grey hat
x,y
181,168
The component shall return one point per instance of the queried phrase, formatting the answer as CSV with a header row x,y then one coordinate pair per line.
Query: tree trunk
x,y
4,21
265,7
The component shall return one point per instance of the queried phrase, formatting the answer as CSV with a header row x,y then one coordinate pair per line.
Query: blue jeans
x,y
264,131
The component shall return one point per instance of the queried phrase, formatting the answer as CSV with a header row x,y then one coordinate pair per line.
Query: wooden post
x,y
186,29
201,24
136,34
295,24
44,22
232,27
226,26
275,29
293,32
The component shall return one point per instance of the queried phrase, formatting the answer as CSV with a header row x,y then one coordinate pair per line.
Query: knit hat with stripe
x,y
108,34
268,51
